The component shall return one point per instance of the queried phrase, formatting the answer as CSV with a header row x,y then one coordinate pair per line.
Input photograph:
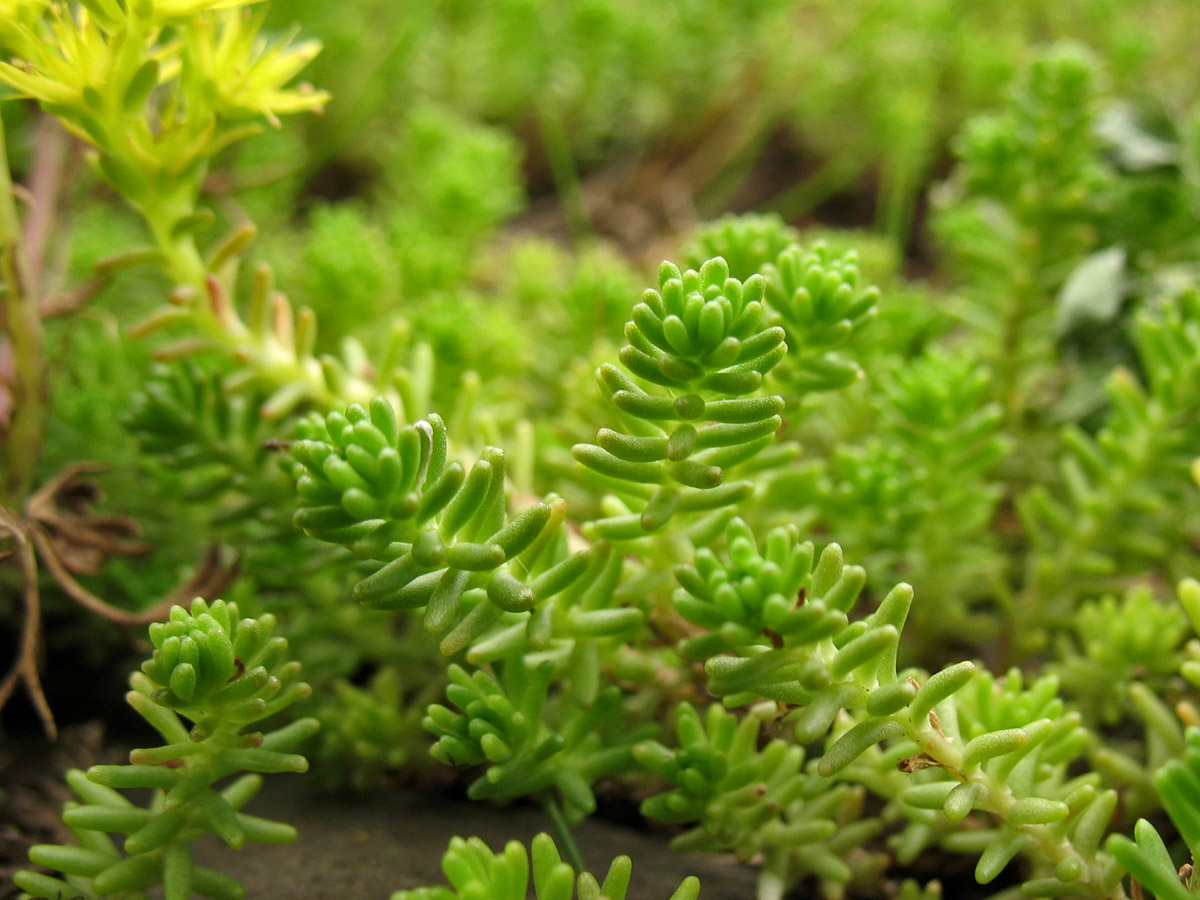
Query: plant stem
x,y
1025,352
564,172
25,666
811,191
998,798
562,831
272,357
45,185
182,260
23,330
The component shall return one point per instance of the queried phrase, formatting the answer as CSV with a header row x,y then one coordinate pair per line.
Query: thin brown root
x,y
25,668
211,578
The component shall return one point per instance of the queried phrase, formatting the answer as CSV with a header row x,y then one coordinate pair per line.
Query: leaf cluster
x,y
222,674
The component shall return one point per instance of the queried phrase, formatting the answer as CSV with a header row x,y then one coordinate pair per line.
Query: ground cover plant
x,y
861,556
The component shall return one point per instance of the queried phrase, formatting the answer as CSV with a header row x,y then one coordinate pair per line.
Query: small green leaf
x,y
1093,291
961,800
144,80
993,744
999,853
936,689
1037,811
857,741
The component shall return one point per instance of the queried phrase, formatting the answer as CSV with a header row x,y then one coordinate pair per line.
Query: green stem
x,y
1021,348
998,798
810,192
183,262
270,356
564,172
562,831
1055,575
23,329
359,104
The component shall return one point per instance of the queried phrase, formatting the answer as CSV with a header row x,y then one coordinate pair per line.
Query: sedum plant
x,y
759,801
474,870
221,675
538,575
702,337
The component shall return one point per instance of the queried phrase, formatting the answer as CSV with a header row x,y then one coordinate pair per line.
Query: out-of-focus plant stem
x,y
22,441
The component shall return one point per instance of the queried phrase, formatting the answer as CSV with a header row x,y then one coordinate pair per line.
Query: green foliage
x,y
349,273
917,497
1000,748
1117,642
474,870
504,725
1037,164
1125,493
187,419
957,444
448,184
370,731
747,243
114,75
821,307
1031,187
1178,784
1015,158
786,620
1015,748
701,336
508,594
701,331
754,800
1146,857
1149,862
389,493
223,674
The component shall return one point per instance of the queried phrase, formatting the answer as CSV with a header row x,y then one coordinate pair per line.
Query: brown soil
x,y
371,846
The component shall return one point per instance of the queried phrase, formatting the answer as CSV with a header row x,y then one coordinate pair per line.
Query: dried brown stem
x,y
58,528
24,376
25,668
211,578
71,300
52,145
82,541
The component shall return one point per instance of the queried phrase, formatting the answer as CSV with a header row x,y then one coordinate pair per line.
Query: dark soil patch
x,y
349,847
370,846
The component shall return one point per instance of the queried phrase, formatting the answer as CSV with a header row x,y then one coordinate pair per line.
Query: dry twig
x,y
59,529
25,667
